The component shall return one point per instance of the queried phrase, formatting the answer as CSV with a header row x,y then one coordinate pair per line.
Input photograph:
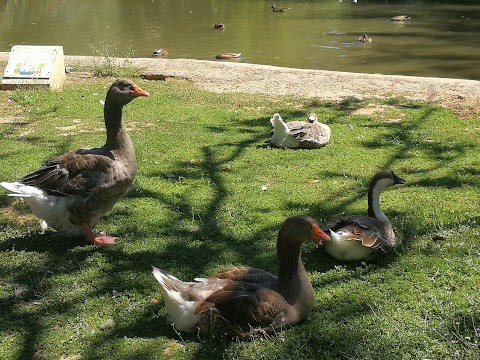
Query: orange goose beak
x,y
319,234
139,92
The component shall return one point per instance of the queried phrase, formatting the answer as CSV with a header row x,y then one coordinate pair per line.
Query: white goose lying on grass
x,y
308,134
359,237
72,191
242,300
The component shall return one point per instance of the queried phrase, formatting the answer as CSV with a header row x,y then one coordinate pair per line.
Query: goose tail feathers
x,y
18,189
168,282
180,306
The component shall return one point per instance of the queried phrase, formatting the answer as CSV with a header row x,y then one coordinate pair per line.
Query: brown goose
x,y
237,300
227,56
308,134
72,191
358,237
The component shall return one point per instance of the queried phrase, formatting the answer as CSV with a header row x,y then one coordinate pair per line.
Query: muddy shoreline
x,y
462,96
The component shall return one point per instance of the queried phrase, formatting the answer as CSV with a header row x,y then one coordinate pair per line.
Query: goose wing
x,y
318,133
304,132
369,231
249,275
299,129
76,173
240,306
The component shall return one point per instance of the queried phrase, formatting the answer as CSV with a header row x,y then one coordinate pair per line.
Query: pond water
x,y
441,39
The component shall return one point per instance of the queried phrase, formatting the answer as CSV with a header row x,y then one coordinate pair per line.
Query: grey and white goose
x,y
71,192
241,300
310,134
359,237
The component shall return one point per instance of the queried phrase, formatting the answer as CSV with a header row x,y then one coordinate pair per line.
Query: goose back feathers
x,y
237,300
308,134
360,237
72,191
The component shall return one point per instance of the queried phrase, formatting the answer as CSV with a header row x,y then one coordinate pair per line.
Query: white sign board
x,y
35,65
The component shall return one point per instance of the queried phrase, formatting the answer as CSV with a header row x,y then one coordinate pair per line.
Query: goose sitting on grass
x,y
359,237
71,192
308,134
242,301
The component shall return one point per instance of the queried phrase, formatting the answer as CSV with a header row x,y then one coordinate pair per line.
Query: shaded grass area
x,y
197,206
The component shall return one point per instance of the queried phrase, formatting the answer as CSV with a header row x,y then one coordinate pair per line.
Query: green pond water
x,y
442,38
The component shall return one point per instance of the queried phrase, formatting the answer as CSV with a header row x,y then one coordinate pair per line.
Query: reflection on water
x,y
441,39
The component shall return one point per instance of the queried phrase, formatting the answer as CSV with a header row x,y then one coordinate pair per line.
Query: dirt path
x,y
462,96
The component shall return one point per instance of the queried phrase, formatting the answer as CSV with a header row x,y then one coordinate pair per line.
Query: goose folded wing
x,y
249,275
316,134
76,173
299,130
369,231
240,306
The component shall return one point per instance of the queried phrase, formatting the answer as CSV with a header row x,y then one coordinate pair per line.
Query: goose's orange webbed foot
x,y
100,238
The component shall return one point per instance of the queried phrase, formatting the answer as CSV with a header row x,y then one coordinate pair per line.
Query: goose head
x,y
385,179
381,181
299,229
312,118
122,91
219,26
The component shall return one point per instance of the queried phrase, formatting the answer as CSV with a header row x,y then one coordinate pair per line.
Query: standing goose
x,y
72,191
235,301
358,237
308,134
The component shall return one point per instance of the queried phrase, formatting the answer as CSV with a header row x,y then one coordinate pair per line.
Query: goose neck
x,y
289,260
374,209
117,136
293,282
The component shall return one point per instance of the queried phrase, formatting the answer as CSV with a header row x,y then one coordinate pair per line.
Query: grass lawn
x,y
197,206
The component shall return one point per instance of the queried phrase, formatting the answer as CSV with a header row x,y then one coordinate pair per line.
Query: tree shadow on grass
x,y
127,267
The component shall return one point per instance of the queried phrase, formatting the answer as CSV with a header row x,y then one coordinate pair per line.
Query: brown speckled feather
x,y
248,274
76,173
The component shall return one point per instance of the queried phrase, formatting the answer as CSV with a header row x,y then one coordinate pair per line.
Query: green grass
x,y
421,302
